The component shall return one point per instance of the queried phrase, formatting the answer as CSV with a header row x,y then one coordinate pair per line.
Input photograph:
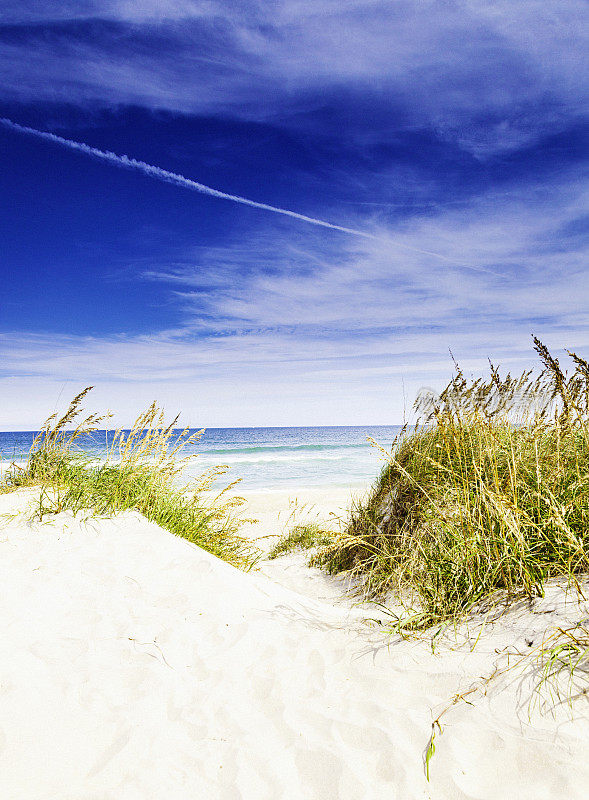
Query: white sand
x,y
279,510
135,665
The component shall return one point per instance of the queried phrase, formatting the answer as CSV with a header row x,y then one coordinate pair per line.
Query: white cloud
x,y
275,283
279,329
490,76
277,326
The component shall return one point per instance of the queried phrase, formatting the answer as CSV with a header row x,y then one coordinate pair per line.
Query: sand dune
x,y
135,665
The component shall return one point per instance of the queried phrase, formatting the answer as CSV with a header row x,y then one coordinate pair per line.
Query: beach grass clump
x,y
142,472
483,501
302,537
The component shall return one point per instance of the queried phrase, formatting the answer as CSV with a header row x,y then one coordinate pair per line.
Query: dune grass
x,y
302,537
485,500
478,505
143,472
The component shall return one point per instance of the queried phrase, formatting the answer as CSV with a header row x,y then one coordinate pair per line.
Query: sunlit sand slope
x,y
135,665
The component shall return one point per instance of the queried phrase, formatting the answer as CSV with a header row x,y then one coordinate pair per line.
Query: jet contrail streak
x,y
187,183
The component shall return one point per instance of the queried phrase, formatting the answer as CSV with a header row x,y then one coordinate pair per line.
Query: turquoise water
x,y
265,458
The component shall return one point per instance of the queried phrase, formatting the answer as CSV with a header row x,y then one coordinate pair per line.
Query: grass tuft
x,y
142,472
302,537
564,664
485,500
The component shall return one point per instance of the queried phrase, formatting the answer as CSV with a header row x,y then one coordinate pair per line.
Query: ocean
x,y
264,458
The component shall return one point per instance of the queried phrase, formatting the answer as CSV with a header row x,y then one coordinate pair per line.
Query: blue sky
x,y
452,134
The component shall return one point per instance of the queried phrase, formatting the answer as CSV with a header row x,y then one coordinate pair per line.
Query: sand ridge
x,y
135,665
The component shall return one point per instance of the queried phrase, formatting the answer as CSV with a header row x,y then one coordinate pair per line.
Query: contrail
x,y
180,180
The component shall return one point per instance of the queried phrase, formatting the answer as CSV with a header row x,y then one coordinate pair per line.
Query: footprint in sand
x,y
111,751
316,664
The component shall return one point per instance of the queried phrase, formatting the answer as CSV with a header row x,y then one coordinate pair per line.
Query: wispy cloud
x,y
440,135
303,320
483,75
287,281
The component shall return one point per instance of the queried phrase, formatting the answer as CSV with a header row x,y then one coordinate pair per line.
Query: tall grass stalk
x,y
485,500
142,471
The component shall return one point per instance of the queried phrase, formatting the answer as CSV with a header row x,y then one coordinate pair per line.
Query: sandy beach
x,y
136,665
294,400
275,511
